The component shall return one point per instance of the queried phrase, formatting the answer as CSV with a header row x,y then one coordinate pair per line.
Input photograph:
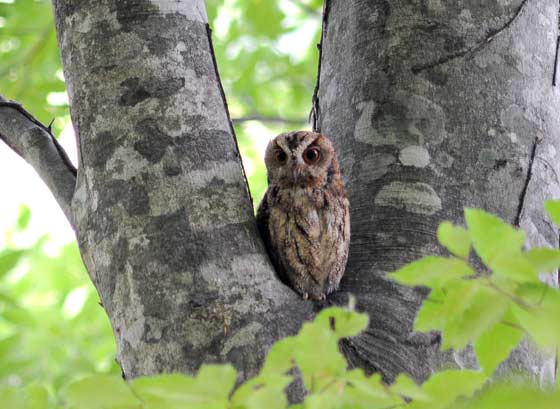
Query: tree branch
x,y
35,143
265,118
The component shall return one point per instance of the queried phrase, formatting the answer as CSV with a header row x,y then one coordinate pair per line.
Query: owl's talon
x,y
305,296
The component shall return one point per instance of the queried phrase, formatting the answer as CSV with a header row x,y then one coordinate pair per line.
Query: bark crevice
x,y
523,195
418,68
314,115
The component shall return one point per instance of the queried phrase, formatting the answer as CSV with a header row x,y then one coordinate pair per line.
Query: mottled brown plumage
x,y
304,217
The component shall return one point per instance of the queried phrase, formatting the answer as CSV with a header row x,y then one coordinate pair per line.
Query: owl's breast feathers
x,y
307,232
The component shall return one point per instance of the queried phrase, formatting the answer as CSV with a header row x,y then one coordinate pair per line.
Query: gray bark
x,y
163,218
436,106
432,107
35,143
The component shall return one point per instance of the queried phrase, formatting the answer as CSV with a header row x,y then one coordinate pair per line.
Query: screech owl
x,y
304,217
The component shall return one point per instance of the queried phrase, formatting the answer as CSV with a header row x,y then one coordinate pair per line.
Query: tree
x,y
432,107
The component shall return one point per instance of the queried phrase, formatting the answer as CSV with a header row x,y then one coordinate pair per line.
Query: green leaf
x,y
11,397
544,260
269,398
539,313
405,386
514,266
553,209
23,217
515,396
319,362
37,397
280,358
481,309
488,232
216,380
101,392
209,390
444,387
9,259
432,271
499,245
494,346
168,391
274,382
369,388
456,239
432,314
343,322
9,347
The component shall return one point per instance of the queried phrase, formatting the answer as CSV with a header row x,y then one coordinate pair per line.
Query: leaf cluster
x,y
494,308
51,325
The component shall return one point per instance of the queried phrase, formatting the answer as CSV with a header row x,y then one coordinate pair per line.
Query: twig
x,y
265,118
18,107
514,298
35,143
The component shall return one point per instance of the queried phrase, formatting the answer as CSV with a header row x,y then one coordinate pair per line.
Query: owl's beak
x,y
298,171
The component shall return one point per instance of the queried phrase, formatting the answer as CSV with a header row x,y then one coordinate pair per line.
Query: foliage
x,y
30,70
492,309
51,325
265,50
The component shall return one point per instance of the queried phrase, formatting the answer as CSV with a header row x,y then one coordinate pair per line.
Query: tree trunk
x,y
163,218
433,106
436,106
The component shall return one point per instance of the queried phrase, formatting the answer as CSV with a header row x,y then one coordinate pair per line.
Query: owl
x,y
304,217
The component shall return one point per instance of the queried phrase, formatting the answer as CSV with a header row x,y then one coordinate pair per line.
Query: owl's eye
x,y
281,156
312,155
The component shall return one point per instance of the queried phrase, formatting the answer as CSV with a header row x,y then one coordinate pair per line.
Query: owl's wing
x,y
262,220
263,216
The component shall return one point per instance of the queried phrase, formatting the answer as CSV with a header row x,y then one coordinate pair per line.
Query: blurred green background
x,y
52,329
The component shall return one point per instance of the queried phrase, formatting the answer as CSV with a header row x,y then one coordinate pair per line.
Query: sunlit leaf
x,y
499,245
536,311
265,398
455,238
544,260
432,271
37,397
101,392
273,382
342,322
514,396
408,388
553,209
444,387
12,397
319,362
483,309
23,217
495,345
280,358
217,380
178,391
432,314
9,259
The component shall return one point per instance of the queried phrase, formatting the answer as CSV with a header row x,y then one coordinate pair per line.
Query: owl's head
x,y
302,158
